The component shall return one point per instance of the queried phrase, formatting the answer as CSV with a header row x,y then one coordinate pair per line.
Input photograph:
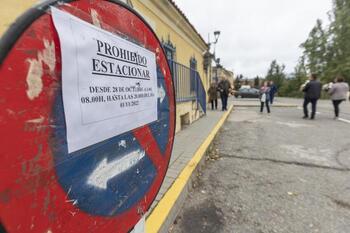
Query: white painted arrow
x,y
106,171
161,93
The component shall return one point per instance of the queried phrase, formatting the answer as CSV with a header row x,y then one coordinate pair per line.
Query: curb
x,y
164,214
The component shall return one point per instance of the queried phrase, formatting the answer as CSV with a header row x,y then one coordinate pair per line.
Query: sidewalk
x,y
190,145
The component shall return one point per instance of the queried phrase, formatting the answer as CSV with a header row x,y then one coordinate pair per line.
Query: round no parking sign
x,y
87,117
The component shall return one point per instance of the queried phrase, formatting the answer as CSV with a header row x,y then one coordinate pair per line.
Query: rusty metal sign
x,y
104,187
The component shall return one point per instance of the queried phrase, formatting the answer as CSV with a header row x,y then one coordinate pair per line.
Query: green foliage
x,y
257,82
326,52
315,49
291,87
327,49
276,74
238,82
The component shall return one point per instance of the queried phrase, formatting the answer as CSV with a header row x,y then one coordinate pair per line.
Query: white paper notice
x,y
109,84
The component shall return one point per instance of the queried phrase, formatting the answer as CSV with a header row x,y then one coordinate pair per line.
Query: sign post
x,y
87,117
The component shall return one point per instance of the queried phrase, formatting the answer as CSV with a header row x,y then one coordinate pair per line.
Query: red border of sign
x,y
16,30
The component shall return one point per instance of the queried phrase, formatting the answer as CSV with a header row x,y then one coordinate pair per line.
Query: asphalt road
x,y
276,173
324,107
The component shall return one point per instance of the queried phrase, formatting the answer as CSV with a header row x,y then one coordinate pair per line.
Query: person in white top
x,y
265,97
339,92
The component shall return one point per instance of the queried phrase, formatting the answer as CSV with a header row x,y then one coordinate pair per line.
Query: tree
x,y
315,49
246,81
340,43
291,87
276,74
237,83
300,73
327,50
256,81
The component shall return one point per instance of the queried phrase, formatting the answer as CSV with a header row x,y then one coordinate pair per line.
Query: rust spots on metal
x,y
95,18
34,82
35,71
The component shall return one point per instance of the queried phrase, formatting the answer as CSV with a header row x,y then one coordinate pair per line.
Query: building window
x,y
170,49
193,63
193,73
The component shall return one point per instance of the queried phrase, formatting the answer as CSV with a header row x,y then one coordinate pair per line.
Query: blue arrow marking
x,y
93,179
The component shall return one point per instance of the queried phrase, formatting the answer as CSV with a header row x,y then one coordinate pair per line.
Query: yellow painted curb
x,y
159,214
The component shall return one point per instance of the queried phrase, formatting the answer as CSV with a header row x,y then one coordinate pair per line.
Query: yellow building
x,y
219,71
10,10
185,48
183,45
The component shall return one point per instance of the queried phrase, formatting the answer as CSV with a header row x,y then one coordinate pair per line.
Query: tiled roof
x,y
185,17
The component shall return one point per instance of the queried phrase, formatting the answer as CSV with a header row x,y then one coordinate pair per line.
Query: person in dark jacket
x,y
224,88
273,91
213,96
312,90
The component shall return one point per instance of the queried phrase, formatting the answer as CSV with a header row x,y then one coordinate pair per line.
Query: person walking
x,y
213,96
338,91
265,97
224,88
273,91
312,90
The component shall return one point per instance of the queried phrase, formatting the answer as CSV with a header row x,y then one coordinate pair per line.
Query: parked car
x,y
247,93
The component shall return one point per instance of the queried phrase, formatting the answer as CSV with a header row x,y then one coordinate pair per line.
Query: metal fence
x,y
188,84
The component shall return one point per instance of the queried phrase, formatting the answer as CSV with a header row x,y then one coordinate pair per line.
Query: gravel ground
x,y
274,173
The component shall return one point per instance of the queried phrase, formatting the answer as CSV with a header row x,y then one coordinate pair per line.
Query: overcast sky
x,y
254,32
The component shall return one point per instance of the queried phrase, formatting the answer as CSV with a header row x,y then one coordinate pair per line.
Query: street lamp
x,y
217,61
216,36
